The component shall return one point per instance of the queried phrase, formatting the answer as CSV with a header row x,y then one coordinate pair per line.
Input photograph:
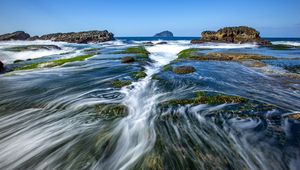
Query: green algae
x,y
111,111
190,53
54,63
140,51
138,75
120,83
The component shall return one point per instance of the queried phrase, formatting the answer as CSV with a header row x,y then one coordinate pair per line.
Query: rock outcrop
x,y
164,34
1,66
241,34
80,37
18,35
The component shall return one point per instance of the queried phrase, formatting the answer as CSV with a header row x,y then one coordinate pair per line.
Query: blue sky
x,y
273,18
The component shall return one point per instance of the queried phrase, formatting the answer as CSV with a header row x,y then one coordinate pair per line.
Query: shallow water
x,y
48,118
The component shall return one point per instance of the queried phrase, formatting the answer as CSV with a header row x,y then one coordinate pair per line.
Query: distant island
x,y
164,34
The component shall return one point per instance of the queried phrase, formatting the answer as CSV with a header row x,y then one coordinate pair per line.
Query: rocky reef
x,y
72,37
164,34
241,34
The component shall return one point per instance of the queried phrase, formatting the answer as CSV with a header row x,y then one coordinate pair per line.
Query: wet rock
x,y
164,34
80,37
18,61
139,74
194,54
282,47
32,48
1,66
111,111
241,34
120,83
293,69
184,69
149,43
127,60
295,116
253,63
161,43
19,35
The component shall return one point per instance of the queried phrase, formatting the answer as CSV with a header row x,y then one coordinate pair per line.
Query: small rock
x,y
149,43
17,61
253,63
295,116
184,69
128,60
1,66
161,43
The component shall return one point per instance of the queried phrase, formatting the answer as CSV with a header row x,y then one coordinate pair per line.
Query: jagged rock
x,y
80,37
1,66
161,43
19,35
164,34
241,34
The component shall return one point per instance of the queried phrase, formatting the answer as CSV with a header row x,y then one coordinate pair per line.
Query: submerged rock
x,y
19,35
282,47
161,43
32,48
80,37
164,34
253,63
127,60
295,116
184,69
293,69
111,111
1,66
241,34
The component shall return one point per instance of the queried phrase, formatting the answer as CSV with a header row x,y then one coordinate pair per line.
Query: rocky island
x,y
72,37
239,35
164,34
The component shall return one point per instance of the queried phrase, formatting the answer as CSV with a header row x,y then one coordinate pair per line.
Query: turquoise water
x,y
49,120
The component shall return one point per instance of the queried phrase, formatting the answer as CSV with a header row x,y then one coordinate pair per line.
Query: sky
x,y
273,18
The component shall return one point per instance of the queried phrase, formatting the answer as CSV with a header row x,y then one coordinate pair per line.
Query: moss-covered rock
x,y
54,63
183,70
193,54
120,83
139,50
138,75
127,60
111,111
207,98
167,68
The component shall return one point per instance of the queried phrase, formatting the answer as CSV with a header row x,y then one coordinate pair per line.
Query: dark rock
x,y
33,38
1,66
32,48
241,34
184,69
164,34
161,43
18,61
128,60
80,37
149,43
19,35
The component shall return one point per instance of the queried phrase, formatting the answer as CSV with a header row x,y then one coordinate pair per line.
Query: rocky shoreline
x,y
72,37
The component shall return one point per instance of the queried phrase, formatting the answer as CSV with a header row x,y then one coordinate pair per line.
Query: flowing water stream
x,y
48,118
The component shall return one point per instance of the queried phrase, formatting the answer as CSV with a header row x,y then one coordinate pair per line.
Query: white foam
x,y
293,43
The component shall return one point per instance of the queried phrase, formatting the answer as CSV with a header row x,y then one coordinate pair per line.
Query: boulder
x,y
80,37
164,34
241,34
1,66
161,43
19,35
184,69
